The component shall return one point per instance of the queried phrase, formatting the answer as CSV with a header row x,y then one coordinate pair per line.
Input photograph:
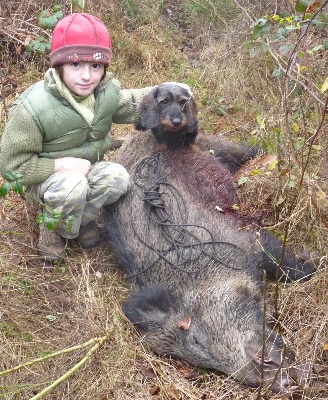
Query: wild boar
x,y
195,269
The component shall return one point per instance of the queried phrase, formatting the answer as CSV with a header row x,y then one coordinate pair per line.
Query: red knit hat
x,y
80,37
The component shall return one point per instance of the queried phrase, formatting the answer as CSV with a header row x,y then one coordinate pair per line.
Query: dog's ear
x,y
148,110
193,107
191,115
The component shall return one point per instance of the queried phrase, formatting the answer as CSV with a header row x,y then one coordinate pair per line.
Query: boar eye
x,y
266,360
196,341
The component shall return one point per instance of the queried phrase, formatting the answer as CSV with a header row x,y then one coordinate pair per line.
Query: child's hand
x,y
76,164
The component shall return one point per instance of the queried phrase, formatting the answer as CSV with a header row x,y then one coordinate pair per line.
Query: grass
x,y
49,309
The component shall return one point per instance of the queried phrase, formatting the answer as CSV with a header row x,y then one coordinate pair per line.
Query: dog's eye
x,y
183,102
163,102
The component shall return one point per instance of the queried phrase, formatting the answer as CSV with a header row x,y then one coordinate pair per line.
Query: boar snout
x,y
272,364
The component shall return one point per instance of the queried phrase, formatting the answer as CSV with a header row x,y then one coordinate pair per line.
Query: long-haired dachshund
x,y
171,113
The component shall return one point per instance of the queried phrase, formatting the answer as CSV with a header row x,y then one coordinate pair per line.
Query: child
x,y
57,133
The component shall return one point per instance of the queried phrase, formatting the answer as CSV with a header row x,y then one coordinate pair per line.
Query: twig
x,y
99,342
245,11
52,355
67,374
258,397
287,73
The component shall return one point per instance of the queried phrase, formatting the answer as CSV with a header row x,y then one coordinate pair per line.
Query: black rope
x,y
188,251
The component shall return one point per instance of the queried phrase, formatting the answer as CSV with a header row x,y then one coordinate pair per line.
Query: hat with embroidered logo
x,y
80,37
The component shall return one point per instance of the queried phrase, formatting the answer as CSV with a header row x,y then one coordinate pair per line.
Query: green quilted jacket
x,y
43,125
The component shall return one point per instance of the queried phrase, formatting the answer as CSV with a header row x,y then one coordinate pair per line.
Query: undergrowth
x,y
258,73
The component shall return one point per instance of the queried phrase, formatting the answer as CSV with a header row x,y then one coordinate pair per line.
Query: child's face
x,y
82,77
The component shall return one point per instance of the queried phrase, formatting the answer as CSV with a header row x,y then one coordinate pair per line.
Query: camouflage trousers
x,y
78,196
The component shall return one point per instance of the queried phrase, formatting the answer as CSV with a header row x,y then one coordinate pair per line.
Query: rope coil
x,y
187,247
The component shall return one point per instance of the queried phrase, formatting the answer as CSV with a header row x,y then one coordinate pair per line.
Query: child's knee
x,y
122,179
109,175
67,186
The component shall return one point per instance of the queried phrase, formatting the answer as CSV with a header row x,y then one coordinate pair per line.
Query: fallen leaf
x,y
306,333
319,386
267,159
147,372
321,195
255,172
319,368
27,40
284,172
154,390
324,86
189,374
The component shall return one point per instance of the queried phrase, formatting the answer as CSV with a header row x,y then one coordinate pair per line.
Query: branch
x,y
287,73
48,356
99,342
67,374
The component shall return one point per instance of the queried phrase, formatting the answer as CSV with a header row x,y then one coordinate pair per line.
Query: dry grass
x,y
48,309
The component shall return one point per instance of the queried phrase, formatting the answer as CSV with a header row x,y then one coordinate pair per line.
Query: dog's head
x,y
170,112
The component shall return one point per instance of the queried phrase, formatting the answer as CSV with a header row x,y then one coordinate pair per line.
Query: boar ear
x,y
150,307
148,110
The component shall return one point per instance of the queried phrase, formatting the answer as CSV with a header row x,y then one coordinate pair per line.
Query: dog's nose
x,y
176,122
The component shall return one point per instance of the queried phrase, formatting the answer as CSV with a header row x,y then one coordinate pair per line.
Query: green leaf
x,y
41,218
69,221
45,20
242,180
260,121
277,73
4,189
316,48
281,32
284,49
79,3
292,27
58,11
56,8
299,143
301,6
10,176
17,187
56,213
39,45
51,318
255,172
273,165
256,48
324,86
319,23
50,224
276,17
59,14
261,27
